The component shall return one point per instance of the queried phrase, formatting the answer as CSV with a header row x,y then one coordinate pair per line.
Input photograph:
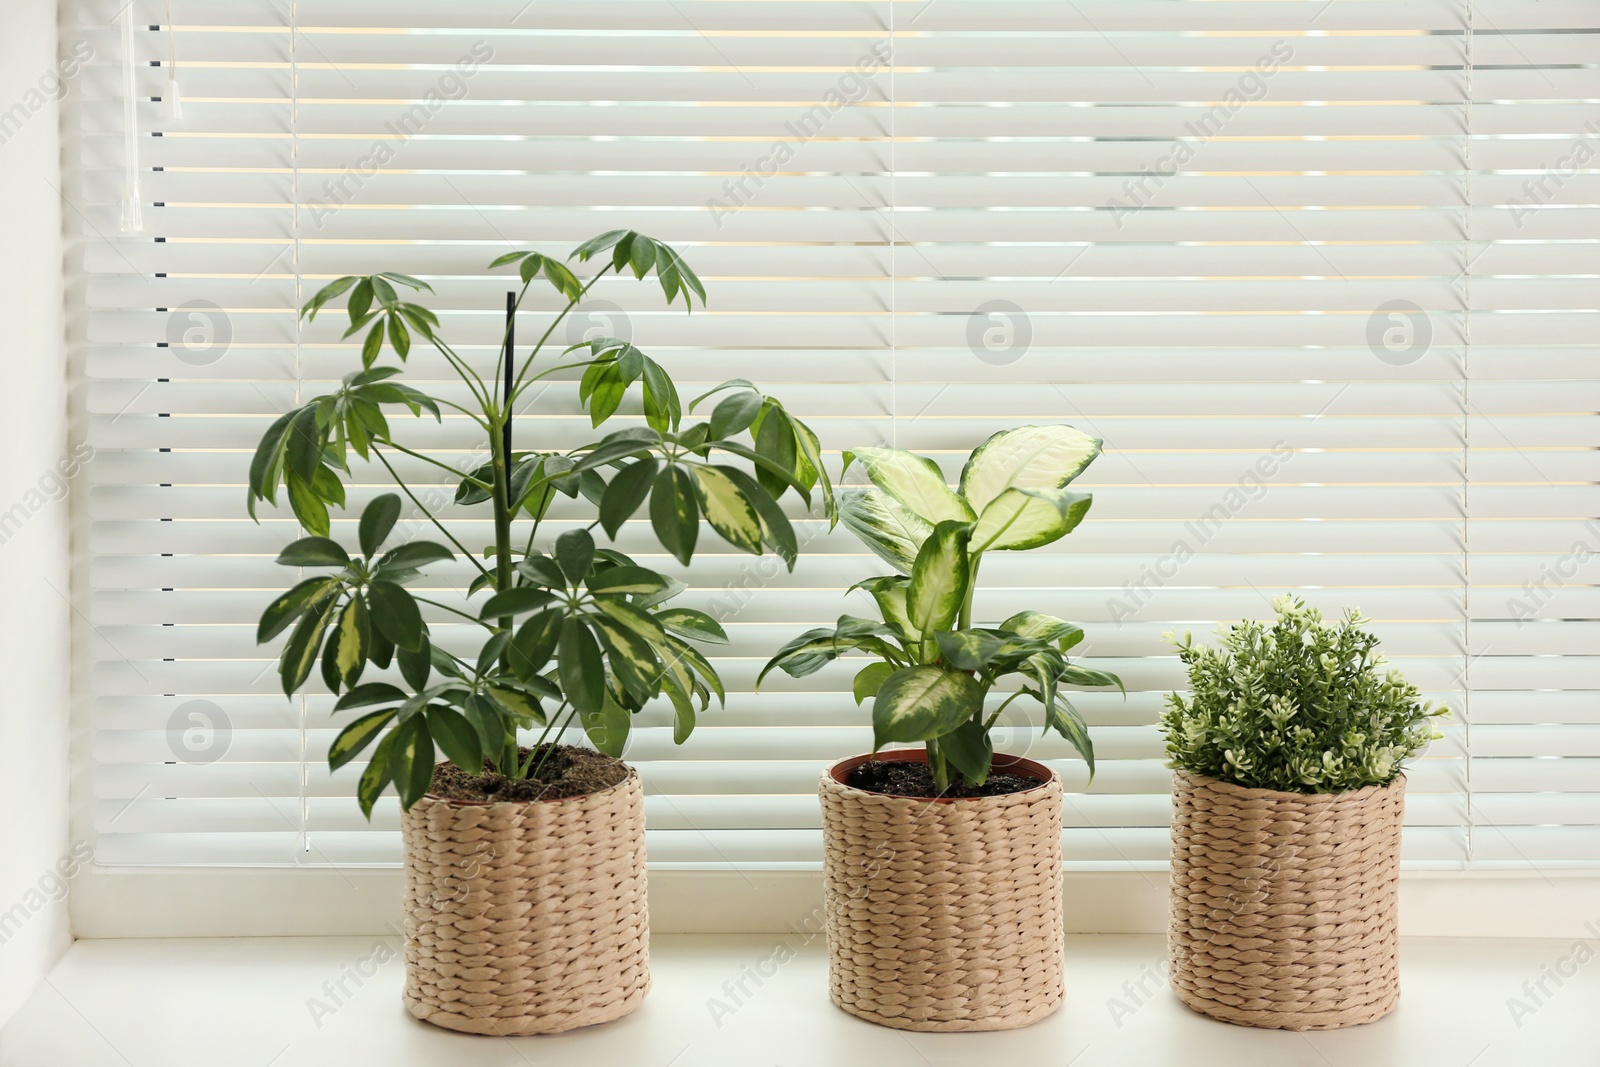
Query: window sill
x,y
255,1002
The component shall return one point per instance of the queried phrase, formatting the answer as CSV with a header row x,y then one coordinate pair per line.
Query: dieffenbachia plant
x,y
934,668
576,633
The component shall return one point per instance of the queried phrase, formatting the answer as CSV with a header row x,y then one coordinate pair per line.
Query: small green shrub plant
x,y
1300,706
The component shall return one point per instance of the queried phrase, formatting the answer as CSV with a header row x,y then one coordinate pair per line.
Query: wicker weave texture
x,y
943,915
526,918
1284,905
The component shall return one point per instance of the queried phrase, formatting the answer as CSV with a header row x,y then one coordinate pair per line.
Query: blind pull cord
x,y
132,211
172,98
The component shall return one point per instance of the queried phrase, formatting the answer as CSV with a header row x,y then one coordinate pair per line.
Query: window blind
x,y
1321,274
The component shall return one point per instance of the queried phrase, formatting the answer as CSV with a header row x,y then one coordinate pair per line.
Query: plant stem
x,y
941,776
538,345
539,517
447,607
443,466
996,716
972,587
464,372
407,490
540,749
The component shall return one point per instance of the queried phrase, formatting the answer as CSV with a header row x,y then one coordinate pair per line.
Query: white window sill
x,y
252,1002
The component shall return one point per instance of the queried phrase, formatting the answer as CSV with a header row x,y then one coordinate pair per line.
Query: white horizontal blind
x,y
1264,249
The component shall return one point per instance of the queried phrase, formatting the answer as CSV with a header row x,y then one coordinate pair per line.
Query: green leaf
x,y
491,650
325,294
415,554
412,760
1045,628
776,531
583,676
625,493
697,625
535,643
575,555
970,748
266,466
818,647
870,678
686,652
377,775
360,300
395,613
330,661
598,244
674,513
416,663
1064,718
369,693
486,721
632,660
811,453
514,704
1028,518
1027,457
1086,676
353,641
968,650
373,344
893,532
606,394
399,336
732,383
889,591
300,653
381,652
727,510
303,444
509,257
607,727
939,577
542,570
456,737
308,506
663,409
284,610
357,736
919,703
517,601
377,520
914,481
735,413
775,442
327,486
619,580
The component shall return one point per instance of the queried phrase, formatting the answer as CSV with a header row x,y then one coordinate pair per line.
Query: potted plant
x,y
1287,800
525,878
943,864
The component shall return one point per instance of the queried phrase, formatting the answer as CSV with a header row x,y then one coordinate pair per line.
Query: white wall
x,y
34,585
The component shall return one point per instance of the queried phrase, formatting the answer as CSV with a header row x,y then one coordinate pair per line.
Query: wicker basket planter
x,y
526,918
943,914
1284,908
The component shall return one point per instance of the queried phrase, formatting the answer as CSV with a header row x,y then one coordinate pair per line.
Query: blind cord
x,y
172,97
132,210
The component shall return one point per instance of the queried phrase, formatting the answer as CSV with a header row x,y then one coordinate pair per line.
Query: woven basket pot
x,y
943,914
1284,907
526,918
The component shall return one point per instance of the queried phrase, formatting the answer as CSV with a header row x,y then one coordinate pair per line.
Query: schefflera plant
x,y
580,633
934,669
